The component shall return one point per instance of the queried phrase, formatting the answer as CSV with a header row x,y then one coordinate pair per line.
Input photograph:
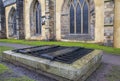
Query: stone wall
x,y
52,18
65,24
2,21
109,12
28,7
59,27
109,22
8,10
20,19
79,70
18,6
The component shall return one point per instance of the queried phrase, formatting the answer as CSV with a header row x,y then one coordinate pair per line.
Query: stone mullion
x,y
82,17
74,18
89,18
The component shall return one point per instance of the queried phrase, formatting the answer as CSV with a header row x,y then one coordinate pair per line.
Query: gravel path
x,y
20,71
100,73
108,61
111,59
17,46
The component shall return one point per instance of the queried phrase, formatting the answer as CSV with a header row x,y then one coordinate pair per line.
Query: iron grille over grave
x,y
56,53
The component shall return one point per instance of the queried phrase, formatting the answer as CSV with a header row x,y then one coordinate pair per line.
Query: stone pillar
x,y
47,14
52,18
20,19
2,21
117,24
59,4
99,21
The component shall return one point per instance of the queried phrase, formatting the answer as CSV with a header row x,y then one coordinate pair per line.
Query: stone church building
x,y
94,21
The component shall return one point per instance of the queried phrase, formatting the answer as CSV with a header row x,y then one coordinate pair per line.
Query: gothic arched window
x,y
35,18
79,19
38,18
72,19
85,18
12,23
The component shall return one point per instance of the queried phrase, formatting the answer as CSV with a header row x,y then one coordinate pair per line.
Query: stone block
x,y
77,71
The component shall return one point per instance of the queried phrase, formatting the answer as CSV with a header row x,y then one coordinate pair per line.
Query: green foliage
x,y
3,68
2,48
18,79
86,45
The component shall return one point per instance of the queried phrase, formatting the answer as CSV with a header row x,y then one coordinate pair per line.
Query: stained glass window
x,y
75,2
38,18
81,1
12,23
85,19
72,19
79,19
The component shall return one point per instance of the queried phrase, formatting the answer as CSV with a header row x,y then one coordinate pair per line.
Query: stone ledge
x,y
79,70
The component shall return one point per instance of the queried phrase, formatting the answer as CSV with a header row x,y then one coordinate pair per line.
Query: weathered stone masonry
x,y
65,25
20,19
50,18
2,21
104,27
108,22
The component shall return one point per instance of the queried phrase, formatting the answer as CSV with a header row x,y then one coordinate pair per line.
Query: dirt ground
x,y
106,72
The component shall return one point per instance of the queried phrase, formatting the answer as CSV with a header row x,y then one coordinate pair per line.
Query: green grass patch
x,y
114,74
79,44
3,68
4,71
19,79
3,48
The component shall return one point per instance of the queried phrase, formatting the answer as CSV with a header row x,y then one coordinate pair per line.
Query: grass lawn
x,y
86,45
2,48
4,70
18,79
